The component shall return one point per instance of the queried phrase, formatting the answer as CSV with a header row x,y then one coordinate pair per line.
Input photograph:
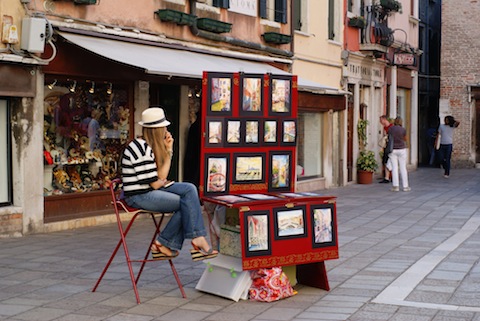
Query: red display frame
x,y
236,113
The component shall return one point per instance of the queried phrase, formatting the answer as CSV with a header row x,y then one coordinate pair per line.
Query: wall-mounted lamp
x,y
109,88
92,88
198,93
190,94
73,86
50,86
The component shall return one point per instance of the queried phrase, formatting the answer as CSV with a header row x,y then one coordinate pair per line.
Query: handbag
x,y
389,147
437,141
383,141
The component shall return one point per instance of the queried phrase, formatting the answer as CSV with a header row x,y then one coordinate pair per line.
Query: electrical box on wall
x,y
33,34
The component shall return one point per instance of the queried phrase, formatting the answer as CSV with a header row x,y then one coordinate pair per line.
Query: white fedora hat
x,y
154,117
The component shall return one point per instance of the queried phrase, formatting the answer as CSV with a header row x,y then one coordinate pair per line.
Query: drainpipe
x,y
233,41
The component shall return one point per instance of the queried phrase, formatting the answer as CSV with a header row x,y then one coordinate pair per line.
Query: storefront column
x,y
356,117
393,93
414,120
27,156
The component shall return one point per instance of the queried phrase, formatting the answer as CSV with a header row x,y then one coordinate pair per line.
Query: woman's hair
x,y
450,121
155,139
398,121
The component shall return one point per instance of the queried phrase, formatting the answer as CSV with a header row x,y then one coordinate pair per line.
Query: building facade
x,y
101,63
317,57
460,78
380,68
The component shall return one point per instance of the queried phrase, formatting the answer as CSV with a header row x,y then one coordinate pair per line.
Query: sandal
x,y
157,253
198,254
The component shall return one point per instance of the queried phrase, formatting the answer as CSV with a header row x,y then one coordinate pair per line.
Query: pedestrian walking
x,y
446,143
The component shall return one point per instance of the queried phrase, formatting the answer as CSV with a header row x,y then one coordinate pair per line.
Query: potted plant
x,y
357,22
391,5
366,162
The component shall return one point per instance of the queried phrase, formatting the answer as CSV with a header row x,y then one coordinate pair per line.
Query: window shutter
x,y
221,3
263,9
281,11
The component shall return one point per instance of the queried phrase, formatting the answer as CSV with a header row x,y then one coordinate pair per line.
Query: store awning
x,y
180,63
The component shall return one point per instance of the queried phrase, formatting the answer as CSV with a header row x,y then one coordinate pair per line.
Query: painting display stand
x,y
248,165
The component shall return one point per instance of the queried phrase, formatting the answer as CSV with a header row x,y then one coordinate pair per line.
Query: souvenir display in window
x,y
86,126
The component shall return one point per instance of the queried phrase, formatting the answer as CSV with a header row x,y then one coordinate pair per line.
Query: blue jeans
x,y
446,156
182,200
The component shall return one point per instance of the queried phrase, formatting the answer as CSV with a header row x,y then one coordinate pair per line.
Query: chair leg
x,y
157,230
127,257
180,286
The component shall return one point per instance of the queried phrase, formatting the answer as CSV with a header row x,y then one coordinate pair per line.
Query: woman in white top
x,y
446,143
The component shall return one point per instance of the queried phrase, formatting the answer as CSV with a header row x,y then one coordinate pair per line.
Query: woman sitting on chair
x,y
145,166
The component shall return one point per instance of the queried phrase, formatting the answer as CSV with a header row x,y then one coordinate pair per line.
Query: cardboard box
x,y
230,242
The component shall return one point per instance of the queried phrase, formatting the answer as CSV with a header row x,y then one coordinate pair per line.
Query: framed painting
x,y
289,132
249,168
323,225
219,95
280,176
234,135
252,132
290,222
251,95
257,240
216,173
215,132
270,136
280,96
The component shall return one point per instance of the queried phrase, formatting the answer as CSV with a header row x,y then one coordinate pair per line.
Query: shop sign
x,y
404,59
246,7
364,72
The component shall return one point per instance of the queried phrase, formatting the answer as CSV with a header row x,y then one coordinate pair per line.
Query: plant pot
x,y
364,177
390,5
356,23
278,38
180,18
85,1
212,25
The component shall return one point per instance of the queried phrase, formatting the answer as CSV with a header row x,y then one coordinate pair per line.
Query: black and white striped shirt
x,y
138,168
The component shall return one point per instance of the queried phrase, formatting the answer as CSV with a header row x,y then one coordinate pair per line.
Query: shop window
x,y
310,145
86,127
5,156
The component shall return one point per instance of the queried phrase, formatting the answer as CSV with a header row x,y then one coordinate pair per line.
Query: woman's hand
x,y
168,140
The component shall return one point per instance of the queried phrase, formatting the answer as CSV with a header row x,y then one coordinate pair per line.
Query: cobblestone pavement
x,y
403,256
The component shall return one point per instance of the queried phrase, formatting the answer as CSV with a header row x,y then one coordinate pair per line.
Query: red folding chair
x,y
119,204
